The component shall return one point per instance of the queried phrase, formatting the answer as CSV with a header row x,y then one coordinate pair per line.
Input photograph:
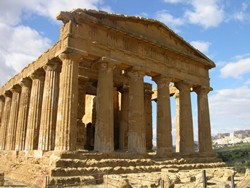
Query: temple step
x,y
104,170
74,176
126,162
102,162
72,181
83,171
99,156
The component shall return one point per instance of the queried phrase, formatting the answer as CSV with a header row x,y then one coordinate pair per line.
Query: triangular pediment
x,y
147,29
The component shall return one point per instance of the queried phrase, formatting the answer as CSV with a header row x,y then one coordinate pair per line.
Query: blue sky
x,y
218,28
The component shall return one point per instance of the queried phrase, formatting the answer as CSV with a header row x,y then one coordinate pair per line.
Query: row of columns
x,y
133,131
42,112
30,113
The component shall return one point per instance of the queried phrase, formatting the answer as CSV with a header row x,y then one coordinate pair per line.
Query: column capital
x,y
26,82
16,88
109,61
202,89
39,74
104,63
159,80
51,66
7,94
182,85
135,72
72,56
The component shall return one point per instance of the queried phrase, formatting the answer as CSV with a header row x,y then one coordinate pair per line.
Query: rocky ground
x,y
173,178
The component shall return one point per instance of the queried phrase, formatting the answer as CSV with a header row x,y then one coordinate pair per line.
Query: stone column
x,y
68,102
35,109
104,127
148,115
177,118
46,139
186,135
164,124
23,114
116,119
1,108
12,126
204,128
81,132
137,129
123,139
5,119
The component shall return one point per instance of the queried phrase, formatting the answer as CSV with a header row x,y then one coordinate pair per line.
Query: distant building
x,y
236,137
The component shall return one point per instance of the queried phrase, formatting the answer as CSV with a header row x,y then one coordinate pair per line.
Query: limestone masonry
x,y
103,58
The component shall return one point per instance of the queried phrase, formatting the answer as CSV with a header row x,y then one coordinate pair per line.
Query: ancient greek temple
x,y
107,56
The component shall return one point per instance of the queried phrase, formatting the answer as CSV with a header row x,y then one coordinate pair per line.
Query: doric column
x,y
1,108
177,118
116,119
81,132
148,115
185,136
123,138
5,119
35,109
67,103
46,139
23,114
164,125
12,125
104,127
204,129
137,128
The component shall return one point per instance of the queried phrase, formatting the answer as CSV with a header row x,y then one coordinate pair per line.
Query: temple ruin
x,y
105,57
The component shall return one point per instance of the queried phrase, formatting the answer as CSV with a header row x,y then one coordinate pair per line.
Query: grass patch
x,y
237,156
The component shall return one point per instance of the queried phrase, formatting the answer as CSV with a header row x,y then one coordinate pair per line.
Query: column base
x,y
164,152
207,154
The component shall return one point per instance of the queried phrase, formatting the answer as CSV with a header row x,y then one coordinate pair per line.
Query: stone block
x,y
38,153
228,173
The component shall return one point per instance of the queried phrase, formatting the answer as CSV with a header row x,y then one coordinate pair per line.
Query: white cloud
x,y
242,15
229,109
11,10
201,45
207,13
231,102
20,45
51,8
236,69
168,19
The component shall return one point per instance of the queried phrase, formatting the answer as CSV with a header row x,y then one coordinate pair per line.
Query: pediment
x,y
143,28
